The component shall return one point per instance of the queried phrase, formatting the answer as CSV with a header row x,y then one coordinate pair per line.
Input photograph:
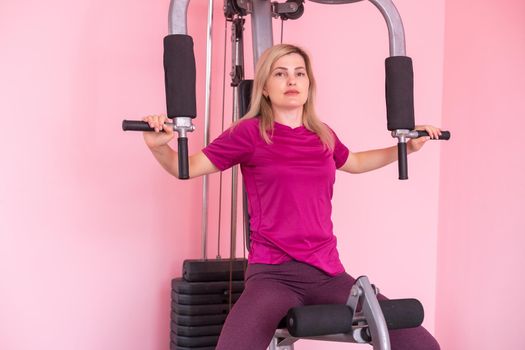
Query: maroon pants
x,y
271,290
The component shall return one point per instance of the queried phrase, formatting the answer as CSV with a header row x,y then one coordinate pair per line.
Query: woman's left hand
x,y
415,145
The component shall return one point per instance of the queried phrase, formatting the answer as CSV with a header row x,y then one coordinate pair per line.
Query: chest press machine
x,y
363,319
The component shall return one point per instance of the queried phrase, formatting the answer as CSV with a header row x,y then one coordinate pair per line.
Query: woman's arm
x,y
199,164
361,162
158,141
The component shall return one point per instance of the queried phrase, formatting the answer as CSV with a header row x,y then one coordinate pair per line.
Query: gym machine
x,y
363,319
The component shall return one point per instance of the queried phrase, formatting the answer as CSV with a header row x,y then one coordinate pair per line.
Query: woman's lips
x,y
292,92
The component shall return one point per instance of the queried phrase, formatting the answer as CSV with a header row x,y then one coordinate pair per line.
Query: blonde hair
x,y
262,107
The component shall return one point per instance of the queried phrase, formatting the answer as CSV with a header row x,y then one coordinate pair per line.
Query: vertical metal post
x,y
207,129
262,33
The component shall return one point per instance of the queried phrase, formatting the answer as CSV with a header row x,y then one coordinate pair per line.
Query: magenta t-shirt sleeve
x,y
233,146
341,152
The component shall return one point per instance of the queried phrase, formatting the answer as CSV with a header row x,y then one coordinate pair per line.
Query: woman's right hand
x,y
157,138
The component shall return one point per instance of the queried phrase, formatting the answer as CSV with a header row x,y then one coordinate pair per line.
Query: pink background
x,y
480,278
92,230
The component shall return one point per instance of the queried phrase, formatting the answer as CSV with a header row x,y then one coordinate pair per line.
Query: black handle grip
x,y
136,125
402,160
184,169
445,135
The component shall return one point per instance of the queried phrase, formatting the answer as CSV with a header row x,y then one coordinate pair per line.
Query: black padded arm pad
x,y
179,76
399,93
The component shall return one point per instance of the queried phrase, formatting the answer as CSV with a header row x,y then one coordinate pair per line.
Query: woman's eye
x,y
279,74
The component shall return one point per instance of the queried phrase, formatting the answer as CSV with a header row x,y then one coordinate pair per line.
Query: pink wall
x,y
88,240
92,230
480,252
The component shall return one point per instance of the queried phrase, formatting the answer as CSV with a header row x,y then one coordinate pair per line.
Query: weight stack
x,y
200,301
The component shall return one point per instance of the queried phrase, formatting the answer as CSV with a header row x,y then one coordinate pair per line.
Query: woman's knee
x,y
254,318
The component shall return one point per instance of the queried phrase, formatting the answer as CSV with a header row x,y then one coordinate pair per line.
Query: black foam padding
x,y
402,313
212,309
181,286
399,93
174,346
136,125
245,94
208,340
315,320
198,320
214,270
196,331
179,76
204,299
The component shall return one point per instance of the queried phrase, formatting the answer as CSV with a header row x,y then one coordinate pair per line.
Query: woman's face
x,y
288,83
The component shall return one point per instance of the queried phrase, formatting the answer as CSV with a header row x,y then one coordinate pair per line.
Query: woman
x,y
288,158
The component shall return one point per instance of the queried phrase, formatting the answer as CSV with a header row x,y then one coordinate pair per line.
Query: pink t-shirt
x,y
289,184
